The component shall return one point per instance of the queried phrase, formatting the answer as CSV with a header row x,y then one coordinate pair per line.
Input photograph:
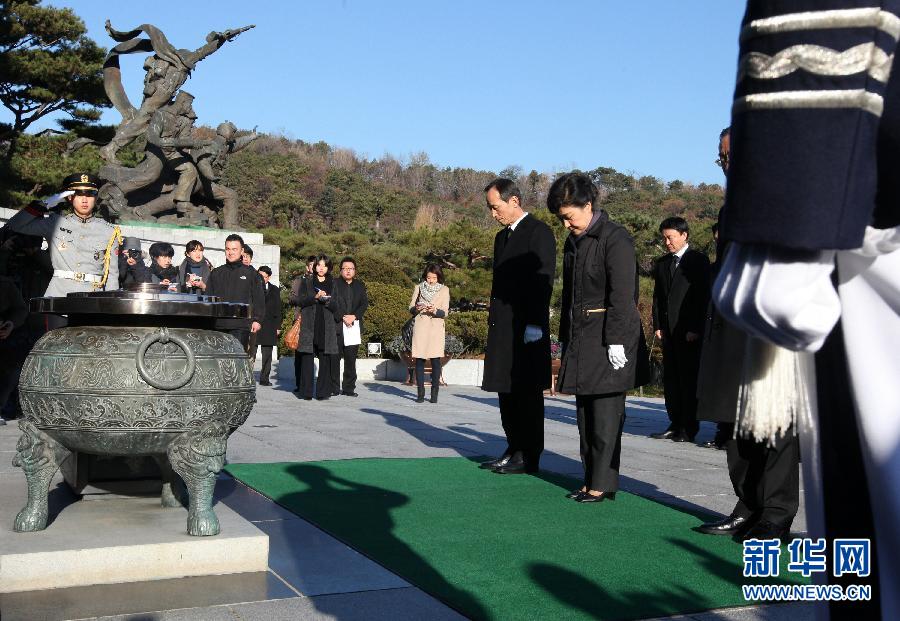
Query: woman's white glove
x,y
780,295
616,355
52,201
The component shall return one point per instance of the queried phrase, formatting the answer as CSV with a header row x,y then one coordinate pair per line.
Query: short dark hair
x,y
348,260
676,223
724,132
572,188
161,249
266,269
715,228
434,268
328,262
193,245
311,258
235,237
507,188
248,250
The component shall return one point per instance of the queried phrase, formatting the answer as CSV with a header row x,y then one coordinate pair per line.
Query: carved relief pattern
x,y
135,412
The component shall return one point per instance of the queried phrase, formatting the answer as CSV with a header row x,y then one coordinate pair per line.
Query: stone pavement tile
x,y
248,503
772,612
141,597
405,604
315,563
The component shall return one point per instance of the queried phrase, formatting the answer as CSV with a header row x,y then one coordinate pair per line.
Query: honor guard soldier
x,y
81,245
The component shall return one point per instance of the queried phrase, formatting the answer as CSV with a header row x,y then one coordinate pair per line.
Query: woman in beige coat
x,y
430,303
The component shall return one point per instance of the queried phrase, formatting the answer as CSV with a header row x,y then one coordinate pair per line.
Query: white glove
x,y
781,295
56,199
533,333
616,354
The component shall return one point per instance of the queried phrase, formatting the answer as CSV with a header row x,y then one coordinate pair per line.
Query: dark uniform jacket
x,y
680,298
307,302
815,150
133,274
271,321
524,268
236,282
352,299
599,308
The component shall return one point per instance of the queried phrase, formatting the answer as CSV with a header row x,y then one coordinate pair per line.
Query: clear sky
x,y
643,86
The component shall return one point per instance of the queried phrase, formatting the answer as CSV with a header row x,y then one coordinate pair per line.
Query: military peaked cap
x,y
81,181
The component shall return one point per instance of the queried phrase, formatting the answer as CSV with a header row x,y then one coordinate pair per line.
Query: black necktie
x,y
673,265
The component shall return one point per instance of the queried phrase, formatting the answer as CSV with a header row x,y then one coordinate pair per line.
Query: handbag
x,y
292,336
407,333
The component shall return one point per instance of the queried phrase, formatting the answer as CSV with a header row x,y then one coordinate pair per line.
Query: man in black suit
x,y
680,297
267,337
517,358
354,300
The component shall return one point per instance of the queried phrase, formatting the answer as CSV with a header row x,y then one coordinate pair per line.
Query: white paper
x,y
352,335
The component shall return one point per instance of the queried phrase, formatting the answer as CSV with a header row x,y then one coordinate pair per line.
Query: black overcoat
x,y
307,302
680,299
352,299
524,268
599,308
271,322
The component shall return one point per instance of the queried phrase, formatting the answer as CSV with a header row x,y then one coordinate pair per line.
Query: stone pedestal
x,y
120,540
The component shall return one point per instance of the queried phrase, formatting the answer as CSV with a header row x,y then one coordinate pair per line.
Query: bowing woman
x,y
599,328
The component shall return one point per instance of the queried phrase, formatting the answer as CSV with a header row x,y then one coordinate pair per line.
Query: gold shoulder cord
x,y
117,235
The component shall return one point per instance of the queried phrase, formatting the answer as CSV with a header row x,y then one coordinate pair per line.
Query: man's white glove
x,y
781,295
533,333
616,354
56,199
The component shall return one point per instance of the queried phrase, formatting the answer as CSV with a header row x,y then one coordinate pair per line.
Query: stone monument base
x,y
119,540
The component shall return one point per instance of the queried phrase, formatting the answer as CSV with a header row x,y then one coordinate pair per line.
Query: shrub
x,y
388,311
471,328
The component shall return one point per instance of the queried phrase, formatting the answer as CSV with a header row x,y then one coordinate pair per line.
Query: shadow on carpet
x,y
512,547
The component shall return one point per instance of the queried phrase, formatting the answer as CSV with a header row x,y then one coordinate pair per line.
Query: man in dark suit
x,y
517,358
267,337
354,300
680,297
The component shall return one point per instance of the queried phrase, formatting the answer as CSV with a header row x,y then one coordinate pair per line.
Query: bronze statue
x,y
167,185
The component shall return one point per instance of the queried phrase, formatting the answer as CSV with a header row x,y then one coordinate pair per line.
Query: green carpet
x,y
511,547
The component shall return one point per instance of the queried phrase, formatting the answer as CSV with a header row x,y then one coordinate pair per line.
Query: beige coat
x,y
428,331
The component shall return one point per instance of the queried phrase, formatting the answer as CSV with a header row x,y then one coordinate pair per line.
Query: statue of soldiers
x,y
211,159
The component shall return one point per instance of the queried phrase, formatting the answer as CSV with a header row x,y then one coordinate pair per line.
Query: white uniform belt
x,y
79,276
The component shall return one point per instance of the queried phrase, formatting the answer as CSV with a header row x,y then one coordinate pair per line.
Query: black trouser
x,y
766,479
251,347
266,362
242,335
349,354
435,372
681,364
298,371
334,371
600,422
323,380
522,415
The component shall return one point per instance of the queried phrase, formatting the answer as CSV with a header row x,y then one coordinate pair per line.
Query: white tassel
x,y
775,392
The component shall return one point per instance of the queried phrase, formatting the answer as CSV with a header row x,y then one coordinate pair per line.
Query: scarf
x,y
170,272
427,292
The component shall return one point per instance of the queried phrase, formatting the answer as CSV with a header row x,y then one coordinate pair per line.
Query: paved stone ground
x,y
313,576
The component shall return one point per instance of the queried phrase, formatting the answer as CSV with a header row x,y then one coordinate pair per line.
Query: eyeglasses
x,y
91,193
722,162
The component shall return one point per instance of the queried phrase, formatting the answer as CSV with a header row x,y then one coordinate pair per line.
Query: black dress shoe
x,y
668,434
350,394
265,383
682,436
516,467
575,493
588,497
732,525
764,529
710,445
500,461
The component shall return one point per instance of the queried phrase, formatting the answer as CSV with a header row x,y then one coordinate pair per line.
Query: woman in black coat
x,y
317,334
600,328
